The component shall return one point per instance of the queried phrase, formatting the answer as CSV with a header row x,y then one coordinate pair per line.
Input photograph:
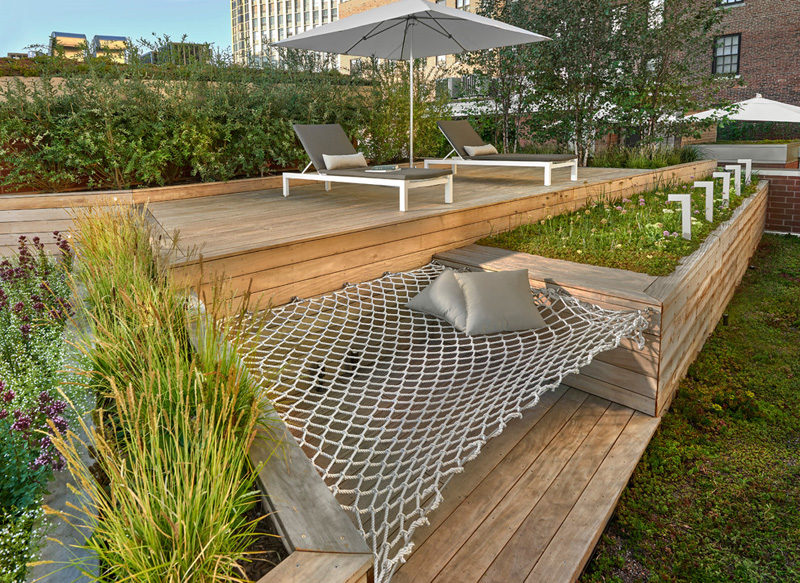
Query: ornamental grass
x,y
177,411
642,233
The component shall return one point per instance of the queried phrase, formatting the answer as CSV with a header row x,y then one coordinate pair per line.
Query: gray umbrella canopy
x,y
410,29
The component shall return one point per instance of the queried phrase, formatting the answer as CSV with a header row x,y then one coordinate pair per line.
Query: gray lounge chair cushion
x,y
526,157
401,174
483,150
444,299
461,134
342,161
319,139
499,301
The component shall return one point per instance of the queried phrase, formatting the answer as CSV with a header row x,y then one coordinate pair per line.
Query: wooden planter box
x,y
686,305
324,545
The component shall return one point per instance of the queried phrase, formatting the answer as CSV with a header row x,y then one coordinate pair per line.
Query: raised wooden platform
x,y
685,306
532,506
313,241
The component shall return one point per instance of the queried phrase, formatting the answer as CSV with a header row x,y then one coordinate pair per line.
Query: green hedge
x,y
104,126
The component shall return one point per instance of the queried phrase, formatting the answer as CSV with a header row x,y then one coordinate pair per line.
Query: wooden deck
x,y
313,242
532,506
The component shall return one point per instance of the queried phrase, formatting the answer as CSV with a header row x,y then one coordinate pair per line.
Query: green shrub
x,y
19,534
105,127
644,156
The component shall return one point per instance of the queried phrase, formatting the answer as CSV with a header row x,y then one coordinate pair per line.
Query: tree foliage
x,y
634,68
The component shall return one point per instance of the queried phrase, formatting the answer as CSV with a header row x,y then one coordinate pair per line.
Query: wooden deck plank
x,y
304,510
489,539
530,540
570,548
493,453
451,533
305,566
609,281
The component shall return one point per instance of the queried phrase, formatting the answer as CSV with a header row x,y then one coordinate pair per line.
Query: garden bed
x,y
685,305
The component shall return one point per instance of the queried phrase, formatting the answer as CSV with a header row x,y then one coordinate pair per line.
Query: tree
x,y
580,72
668,70
503,76
633,67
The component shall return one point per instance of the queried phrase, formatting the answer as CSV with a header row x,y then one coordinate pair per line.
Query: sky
x,y
29,22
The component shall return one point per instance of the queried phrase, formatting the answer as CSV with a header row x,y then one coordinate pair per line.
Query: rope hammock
x,y
389,403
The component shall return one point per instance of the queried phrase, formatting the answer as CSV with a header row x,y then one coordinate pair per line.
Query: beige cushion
x,y
498,301
442,298
344,161
483,150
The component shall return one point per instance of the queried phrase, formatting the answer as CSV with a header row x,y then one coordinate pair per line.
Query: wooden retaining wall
x,y
312,266
685,305
324,544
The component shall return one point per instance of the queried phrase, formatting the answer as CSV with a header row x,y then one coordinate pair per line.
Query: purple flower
x,y
3,414
625,200
18,307
22,421
8,396
674,234
641,203
60,423
25,329
666,233
619,208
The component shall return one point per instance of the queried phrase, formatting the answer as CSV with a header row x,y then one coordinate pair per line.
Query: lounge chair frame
x,y
403,186
454,159
340,144
547,166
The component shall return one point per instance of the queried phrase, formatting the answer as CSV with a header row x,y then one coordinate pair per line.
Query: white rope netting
x,y
389,403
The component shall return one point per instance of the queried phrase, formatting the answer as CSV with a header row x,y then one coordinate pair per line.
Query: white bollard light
x,y
748,169
686,212
709,186
737,173
726,186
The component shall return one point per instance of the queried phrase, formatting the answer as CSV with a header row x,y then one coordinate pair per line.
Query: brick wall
x,y
769,60
783,204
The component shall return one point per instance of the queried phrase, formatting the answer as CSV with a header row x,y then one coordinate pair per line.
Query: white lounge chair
x,y
460,135
330,139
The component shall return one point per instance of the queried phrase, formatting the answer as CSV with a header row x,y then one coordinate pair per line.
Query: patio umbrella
x,y
410,29
755,109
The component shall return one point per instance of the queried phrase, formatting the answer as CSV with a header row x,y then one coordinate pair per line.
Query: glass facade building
x,y
256,23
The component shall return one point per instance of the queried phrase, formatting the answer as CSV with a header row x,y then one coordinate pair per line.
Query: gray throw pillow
x,y
498,301
344,161
442,298
483,150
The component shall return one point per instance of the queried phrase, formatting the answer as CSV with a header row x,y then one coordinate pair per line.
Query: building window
x,y
463,4
726,55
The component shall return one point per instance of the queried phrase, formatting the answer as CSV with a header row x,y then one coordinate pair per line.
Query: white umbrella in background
x,y
755,109
410,29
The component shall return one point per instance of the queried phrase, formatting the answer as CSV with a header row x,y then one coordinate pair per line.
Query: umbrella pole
x,y
411,101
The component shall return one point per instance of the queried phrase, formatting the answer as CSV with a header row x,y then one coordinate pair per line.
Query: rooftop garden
x,y
642,233
715,495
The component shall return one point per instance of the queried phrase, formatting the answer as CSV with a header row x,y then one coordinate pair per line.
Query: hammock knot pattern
x,y
389,403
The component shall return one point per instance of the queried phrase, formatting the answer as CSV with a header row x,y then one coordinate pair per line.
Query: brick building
x,y
760,42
